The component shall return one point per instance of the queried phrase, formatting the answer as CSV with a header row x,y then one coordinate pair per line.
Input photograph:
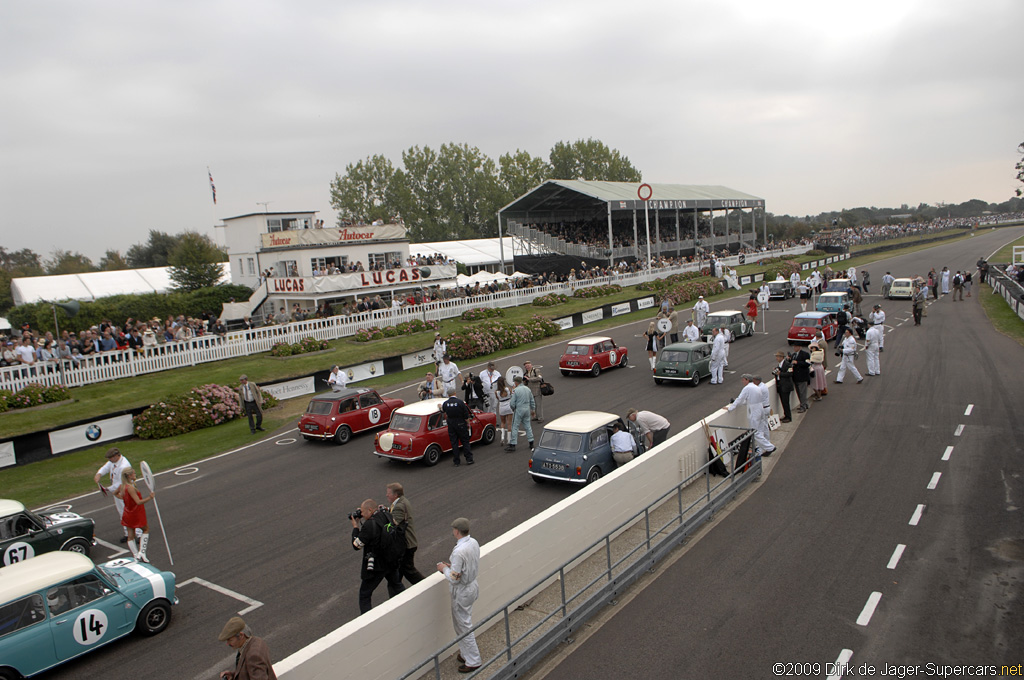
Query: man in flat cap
x,y
252,657
460,572
250,398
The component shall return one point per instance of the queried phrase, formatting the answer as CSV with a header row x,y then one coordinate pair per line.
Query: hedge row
x,y
118,308
201,407
691,290
492,336
405,328
481,313
550,300
304,346
32,395
598,291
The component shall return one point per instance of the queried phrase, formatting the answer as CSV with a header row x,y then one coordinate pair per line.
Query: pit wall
x,y
417,623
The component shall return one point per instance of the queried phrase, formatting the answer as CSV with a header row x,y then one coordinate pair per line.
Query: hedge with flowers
x,y
304,346
780,266
33,394
691,290
668,282
481,313
404,328
597,291
550,300
201,407
491,336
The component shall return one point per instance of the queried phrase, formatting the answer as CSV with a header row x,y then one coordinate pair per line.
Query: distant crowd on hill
x,y
872,233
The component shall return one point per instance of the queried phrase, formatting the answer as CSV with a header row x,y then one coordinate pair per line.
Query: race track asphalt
x,y
785,580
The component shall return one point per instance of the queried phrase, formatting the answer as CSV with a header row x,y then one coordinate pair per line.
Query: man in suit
x,y
401,510
801,362
250,398
784,383
252,656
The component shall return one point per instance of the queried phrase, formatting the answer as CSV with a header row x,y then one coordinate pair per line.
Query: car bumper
x,y
683,378
316,435
571,480
577,369
394,456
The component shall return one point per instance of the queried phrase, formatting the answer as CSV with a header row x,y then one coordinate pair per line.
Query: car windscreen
x,y
777,285
319,408
566,442
805,323
674,355
578,349
405,423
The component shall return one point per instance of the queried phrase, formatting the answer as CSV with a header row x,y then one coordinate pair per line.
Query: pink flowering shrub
x,y
671,281
550,300
491,336
691,290
203,406
404,328
283,349
778,266
597,291
481,313
33,394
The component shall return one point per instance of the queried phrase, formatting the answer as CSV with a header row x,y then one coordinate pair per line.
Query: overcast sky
x,y
112,111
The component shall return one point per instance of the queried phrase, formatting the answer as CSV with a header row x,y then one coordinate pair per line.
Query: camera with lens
x,y
358,514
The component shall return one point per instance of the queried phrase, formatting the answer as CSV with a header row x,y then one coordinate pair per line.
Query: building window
x,y
252,267
385,260
273,225
291,267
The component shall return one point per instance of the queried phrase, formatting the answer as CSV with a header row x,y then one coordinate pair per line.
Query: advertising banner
x,y
421,358
644,303
292,388
7,454
389,278
333,236
565,323
621,308
81,436
593,315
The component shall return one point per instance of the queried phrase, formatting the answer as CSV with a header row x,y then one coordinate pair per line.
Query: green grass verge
x,y
1003,319
1005,254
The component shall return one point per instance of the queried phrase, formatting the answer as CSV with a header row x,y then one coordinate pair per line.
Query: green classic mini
x,y
60,605
683,362
25,534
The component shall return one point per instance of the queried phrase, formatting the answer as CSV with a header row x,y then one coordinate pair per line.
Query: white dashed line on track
x,y
869,609
839,667
896,555
916,517
959,430
935,480
970,407
948,453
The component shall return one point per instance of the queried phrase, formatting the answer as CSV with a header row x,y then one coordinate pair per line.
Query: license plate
x,y
553,466
311,428
574,363
671,370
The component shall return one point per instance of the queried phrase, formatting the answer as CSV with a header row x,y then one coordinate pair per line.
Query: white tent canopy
x,y
90,286
474,253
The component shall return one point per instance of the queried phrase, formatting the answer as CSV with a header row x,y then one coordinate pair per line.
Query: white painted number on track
x,y
869,609
916,517
948,453
935,480
970,407
896,555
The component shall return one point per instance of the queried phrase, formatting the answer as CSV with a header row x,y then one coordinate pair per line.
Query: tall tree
x,y
362,193
519,172
195,262
591,160
15,264
66,262
154,253
113,261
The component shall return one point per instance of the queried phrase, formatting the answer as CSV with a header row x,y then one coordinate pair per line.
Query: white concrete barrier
x,y
418,622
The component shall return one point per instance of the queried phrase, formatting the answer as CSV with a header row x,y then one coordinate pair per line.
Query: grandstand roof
x,y
92,285
472,253
565,194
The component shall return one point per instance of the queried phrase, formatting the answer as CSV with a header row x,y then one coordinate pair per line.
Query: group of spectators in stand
x,y
872,233
103,343
1016,272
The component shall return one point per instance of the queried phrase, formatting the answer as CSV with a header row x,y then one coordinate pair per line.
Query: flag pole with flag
x,y
213,189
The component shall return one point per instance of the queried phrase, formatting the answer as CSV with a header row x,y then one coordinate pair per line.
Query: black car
x,y
25,534
780,290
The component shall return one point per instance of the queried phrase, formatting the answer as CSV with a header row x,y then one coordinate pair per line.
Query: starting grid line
x,y
253,604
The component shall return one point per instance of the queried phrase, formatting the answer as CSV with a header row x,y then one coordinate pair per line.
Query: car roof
x,y
906,280
687,345
343,394
589,340
812,315
833,293
421,408
723,312
581,422
26,577
9,507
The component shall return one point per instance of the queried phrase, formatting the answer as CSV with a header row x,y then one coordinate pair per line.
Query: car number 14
x,y
90,627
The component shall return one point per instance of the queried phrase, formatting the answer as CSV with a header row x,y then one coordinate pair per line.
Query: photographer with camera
x,y
375,533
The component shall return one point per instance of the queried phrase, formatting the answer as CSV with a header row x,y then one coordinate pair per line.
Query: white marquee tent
x,y
92,285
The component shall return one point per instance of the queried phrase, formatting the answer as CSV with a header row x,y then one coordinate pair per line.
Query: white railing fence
x,y
208,348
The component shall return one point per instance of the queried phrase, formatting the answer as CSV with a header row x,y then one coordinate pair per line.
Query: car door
x,y
703,362
371,408
24,538
613,354
437,432
600,448
25,639
85,613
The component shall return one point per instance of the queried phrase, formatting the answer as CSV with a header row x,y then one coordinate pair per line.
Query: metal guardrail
x,y
577,607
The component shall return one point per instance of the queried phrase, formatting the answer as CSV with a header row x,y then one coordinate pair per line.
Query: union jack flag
x,y
213,189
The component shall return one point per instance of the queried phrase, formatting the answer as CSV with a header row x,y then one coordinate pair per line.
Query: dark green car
x,y
683,362
25,534
733,319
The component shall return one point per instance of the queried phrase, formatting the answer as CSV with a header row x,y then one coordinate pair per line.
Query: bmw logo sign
x,y
93,432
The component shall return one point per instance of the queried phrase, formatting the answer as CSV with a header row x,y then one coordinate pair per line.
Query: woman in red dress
x,y
752,311
134,516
